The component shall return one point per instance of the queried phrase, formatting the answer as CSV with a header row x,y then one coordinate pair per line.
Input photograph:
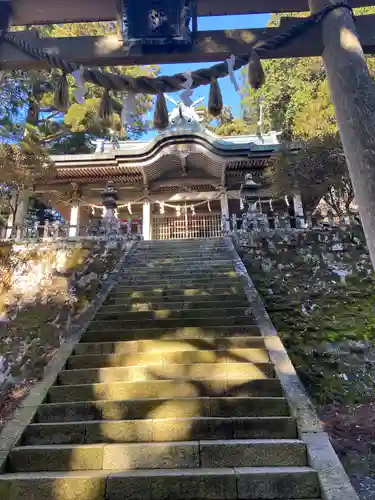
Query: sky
x,y
230,97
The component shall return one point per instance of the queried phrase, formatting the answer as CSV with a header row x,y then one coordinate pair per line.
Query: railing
x,y
186,226
255,223
58,230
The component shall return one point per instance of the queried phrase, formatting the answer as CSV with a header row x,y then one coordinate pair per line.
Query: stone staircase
x,y
169,395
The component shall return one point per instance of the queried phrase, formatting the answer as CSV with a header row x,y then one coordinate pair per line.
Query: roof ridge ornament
x,y
182,114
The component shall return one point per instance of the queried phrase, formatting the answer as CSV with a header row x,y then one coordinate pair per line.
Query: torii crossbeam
x,y
208,46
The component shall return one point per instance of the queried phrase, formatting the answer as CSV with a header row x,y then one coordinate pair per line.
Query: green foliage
x,y
296,92
315,314
316,170
72,131
226,124
297,103
21,165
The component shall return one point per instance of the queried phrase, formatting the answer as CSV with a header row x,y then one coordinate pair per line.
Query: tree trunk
x,y
353,95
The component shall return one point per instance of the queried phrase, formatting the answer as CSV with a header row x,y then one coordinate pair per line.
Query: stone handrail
x,y
260,222
61,230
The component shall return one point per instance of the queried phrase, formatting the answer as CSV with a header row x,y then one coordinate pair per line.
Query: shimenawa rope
x,y
157,85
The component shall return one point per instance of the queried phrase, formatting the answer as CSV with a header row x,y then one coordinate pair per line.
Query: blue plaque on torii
x,y
159,22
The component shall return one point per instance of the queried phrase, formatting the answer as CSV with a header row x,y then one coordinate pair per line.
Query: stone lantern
x,y
109,200
249,187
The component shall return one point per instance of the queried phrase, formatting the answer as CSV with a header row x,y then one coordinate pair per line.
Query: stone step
x,y
162,305
173,281
165,267
134,409
183,254
185,332
159,388
240,356
180,289
179,261
169,429
244,483
177,245
209,242
195,321
175,346
195,371
206,250
179,283
188,295
176,272
185,274
183,241
163,455
138,263
203,249
163,314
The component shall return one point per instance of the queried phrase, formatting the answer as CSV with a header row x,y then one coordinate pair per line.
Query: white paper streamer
x,y
186,95
232,77
287,201
80,91
209,206
130,208
128,112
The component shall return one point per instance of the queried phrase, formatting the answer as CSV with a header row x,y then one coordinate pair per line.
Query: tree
x,y
29,97
21,166
69,132
298,103
226,124
316,170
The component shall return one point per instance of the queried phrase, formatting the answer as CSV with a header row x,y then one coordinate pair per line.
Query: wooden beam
x,y
27,12
197,181
211,46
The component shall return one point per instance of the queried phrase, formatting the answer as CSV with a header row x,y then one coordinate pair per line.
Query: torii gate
x,y
339,40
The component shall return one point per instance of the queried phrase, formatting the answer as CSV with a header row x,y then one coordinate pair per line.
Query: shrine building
x,y
184,183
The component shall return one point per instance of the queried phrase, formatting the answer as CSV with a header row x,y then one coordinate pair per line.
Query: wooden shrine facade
x,y
183,183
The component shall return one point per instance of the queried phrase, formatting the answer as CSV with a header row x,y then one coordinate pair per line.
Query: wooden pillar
x,y
298,211
353,95
225,210
16,220
74,220
146,220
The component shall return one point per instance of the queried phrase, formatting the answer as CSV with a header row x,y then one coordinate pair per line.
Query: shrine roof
x,y
171,140
177,153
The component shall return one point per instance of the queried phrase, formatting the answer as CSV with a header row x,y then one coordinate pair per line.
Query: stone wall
x,y
318,287
44,289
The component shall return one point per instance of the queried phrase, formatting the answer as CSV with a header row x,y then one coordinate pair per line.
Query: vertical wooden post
x,y
225,210
146,220
74,220
353,95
